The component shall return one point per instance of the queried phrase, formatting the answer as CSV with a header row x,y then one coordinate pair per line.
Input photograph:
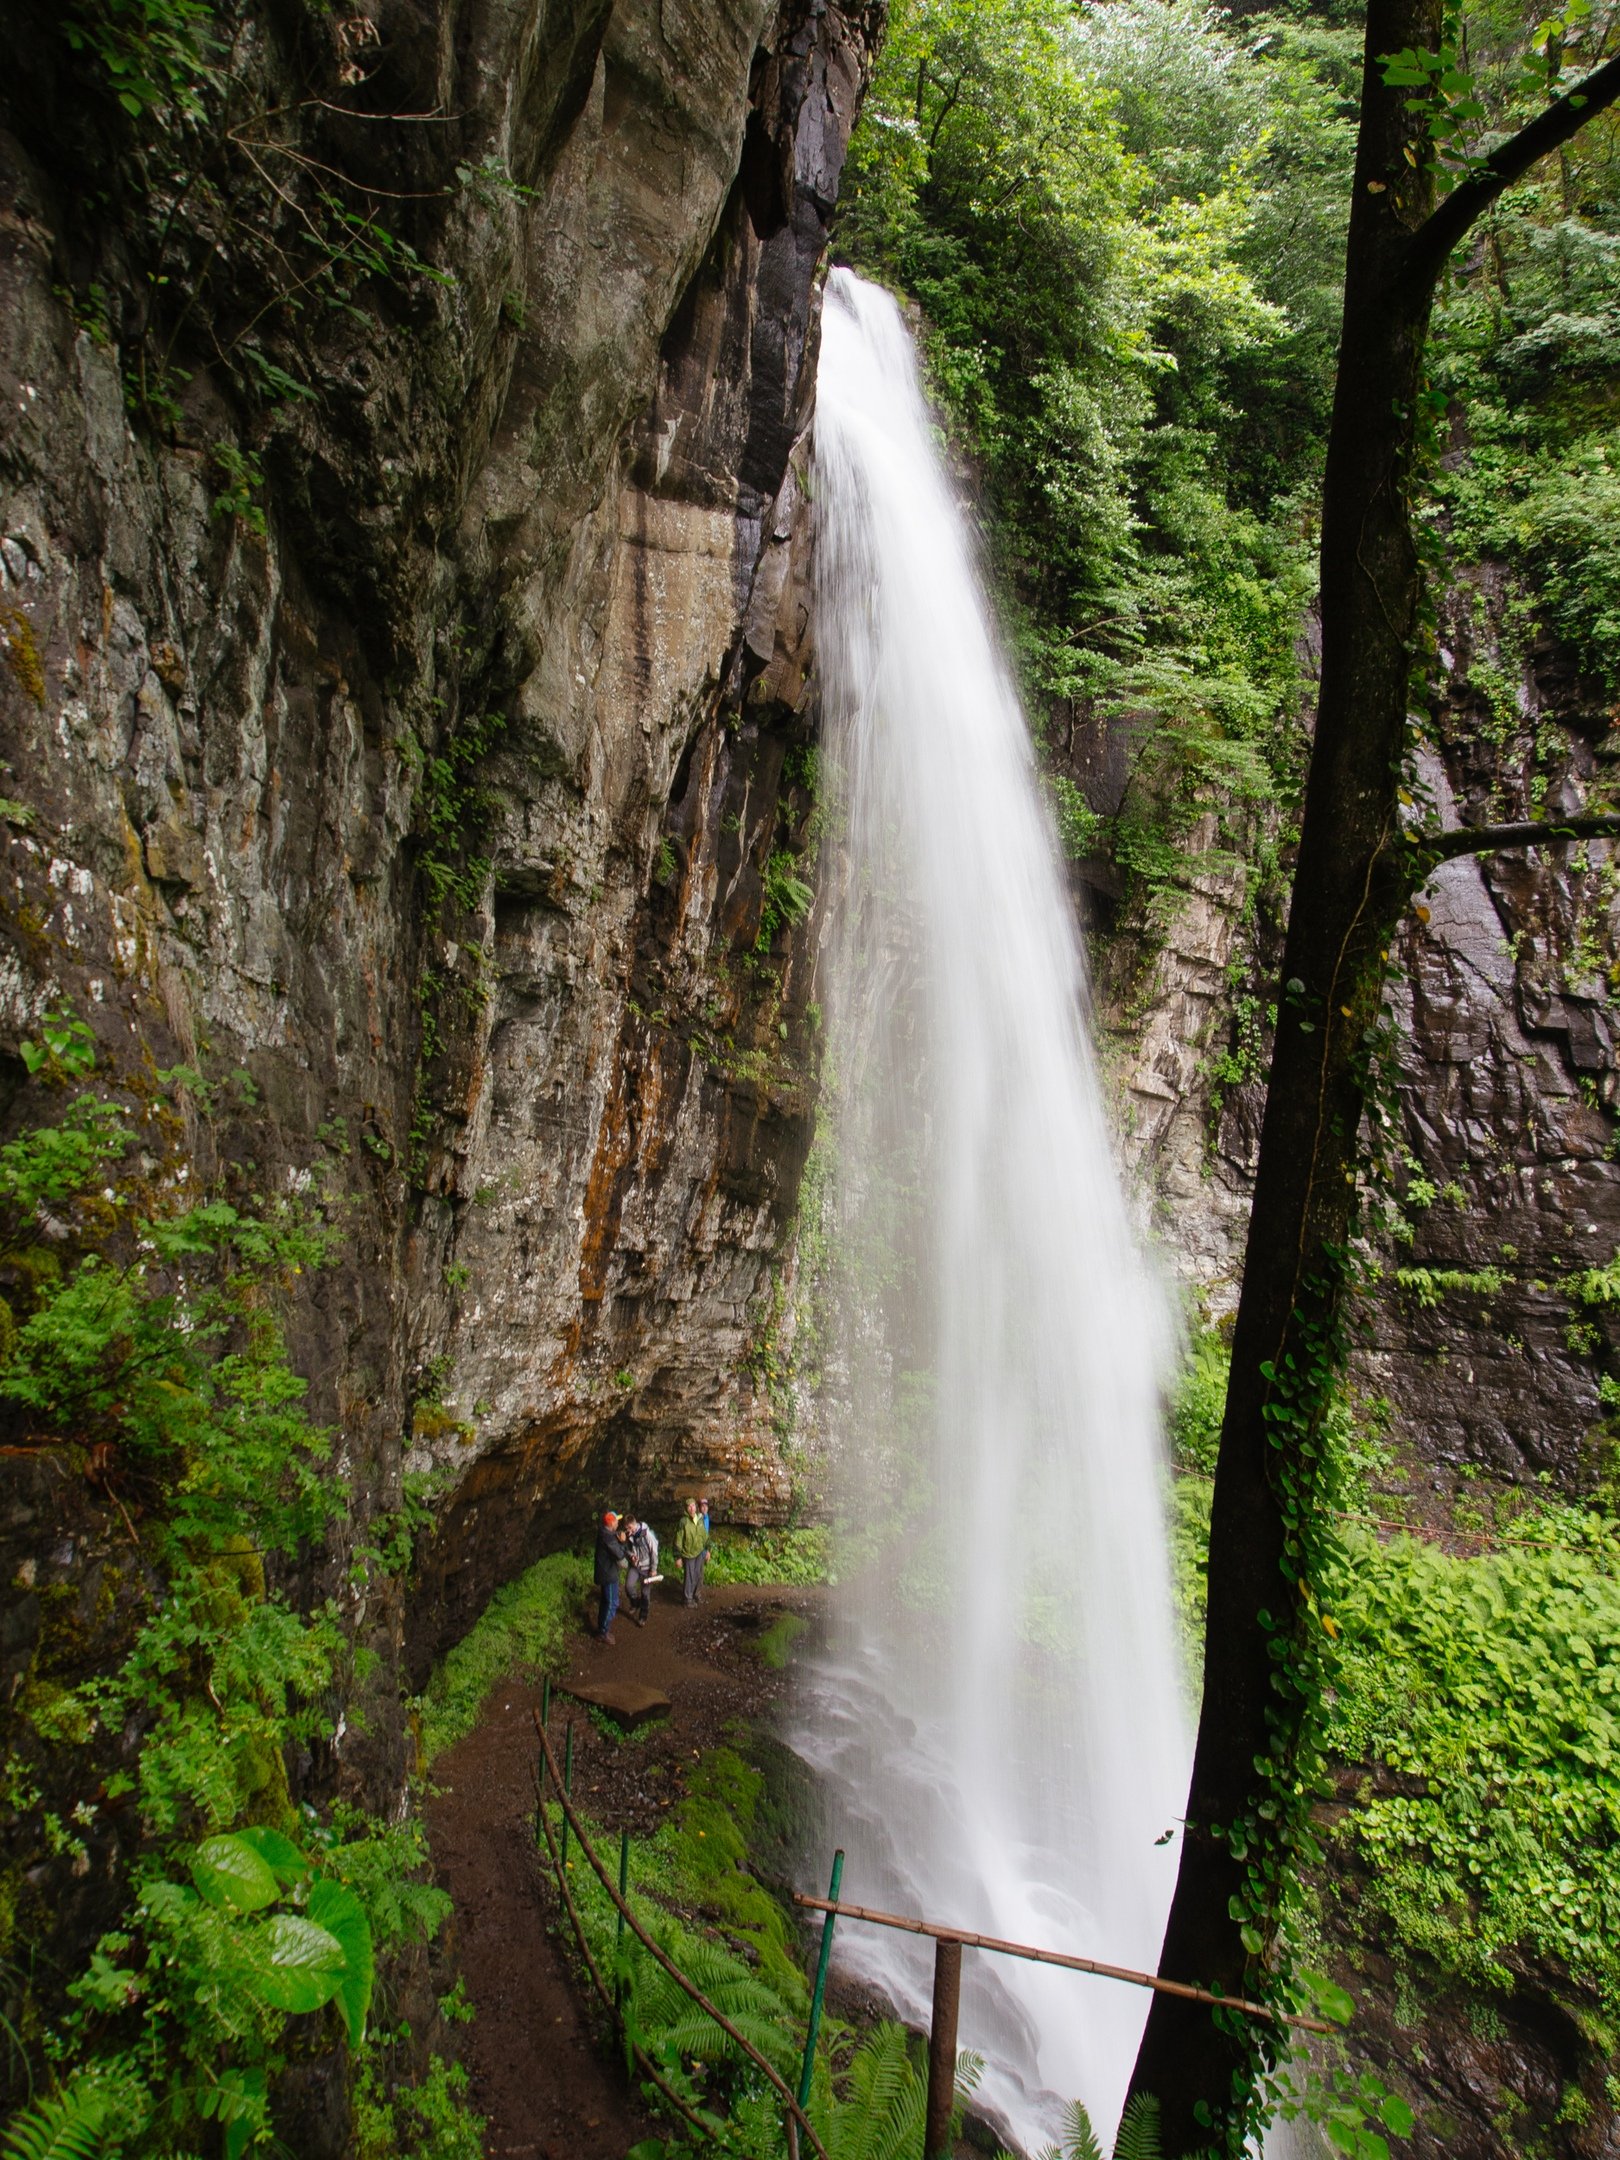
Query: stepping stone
x,y
628,1702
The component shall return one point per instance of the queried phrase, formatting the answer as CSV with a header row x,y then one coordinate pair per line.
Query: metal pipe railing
x,y
1128,1973
661,1958
644,2062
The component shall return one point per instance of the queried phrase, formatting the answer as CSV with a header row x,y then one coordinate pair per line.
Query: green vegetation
x,y
1427,1286
1200,1402
1124,227
775,1646
770,1556
520,1630
1478,1699
1138,2137
156,53
692,1888
1483,1697
140,1347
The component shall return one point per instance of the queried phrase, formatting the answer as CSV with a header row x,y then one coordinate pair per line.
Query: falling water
x,y
998,1723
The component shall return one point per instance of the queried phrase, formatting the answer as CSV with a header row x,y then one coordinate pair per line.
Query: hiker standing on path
x,y
642,1547
609,1560
691,1549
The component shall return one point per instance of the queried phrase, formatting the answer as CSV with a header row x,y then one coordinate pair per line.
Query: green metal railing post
x,y
819,1991
624,1892
568,1785
540,1775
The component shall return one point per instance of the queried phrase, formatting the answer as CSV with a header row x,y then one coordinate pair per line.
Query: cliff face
x,y
415,748
1481,1351
1479,1347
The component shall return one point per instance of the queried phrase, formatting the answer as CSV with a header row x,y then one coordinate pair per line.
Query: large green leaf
x,y
229,1872
298,1965
340,1912
286,1860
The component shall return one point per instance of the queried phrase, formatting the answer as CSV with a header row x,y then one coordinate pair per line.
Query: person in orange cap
x,y
609,1560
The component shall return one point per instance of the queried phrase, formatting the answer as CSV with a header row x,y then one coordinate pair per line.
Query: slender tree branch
x,y
1449,220
1434,848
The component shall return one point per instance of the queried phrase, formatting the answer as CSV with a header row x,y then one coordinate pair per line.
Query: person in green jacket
x,y
691,1549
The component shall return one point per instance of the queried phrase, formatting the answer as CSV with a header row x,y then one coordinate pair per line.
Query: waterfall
x,y
997,1722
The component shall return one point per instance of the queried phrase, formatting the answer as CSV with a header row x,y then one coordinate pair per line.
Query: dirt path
x,y
542,2071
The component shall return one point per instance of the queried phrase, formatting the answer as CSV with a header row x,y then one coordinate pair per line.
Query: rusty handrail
x,y
1060,1957
661,1957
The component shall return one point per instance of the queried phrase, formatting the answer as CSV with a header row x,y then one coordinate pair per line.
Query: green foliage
x,y
156,53
788,898
1200,1402
1123,226
1427,1286
1137,2138
1191,1496
869,2092
1483,1697
1524,352
1598,1285
227,219
770,1556
244,481
425,2120
881,2111
74,2124
520,1630
142,1327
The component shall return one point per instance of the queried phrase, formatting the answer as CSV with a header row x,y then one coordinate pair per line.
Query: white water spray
x,y
998,1724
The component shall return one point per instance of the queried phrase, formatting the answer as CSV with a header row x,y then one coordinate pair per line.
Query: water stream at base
x,y
997,1723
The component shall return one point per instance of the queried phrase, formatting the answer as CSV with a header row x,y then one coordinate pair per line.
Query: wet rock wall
x,y
1483,1349
432,775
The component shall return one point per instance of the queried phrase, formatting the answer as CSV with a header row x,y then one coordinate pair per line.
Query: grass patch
x,y
771,1556
520,1630
775,1646
623,1735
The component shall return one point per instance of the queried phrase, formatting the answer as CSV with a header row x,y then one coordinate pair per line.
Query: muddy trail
x,y
544,2071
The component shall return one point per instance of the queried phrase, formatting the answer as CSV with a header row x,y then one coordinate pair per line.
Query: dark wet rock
x,y
562,1113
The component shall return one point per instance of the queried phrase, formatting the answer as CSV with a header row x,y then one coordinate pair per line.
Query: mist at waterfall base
x,y
997,1721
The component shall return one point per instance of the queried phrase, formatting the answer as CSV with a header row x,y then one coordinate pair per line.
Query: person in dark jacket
x,y
609,1560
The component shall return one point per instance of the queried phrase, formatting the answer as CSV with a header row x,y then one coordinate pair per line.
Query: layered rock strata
x,y
419,749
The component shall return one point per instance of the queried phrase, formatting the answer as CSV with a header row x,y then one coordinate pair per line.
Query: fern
x,y
70,2125
1138,2137
882,2113
671,2025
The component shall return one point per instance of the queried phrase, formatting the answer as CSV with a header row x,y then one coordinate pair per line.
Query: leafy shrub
x,y
156,53
770,1556
1200,1403
1491,1687
139,1334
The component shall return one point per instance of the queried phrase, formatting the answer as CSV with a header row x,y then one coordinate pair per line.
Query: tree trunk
x,y
1259,1650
